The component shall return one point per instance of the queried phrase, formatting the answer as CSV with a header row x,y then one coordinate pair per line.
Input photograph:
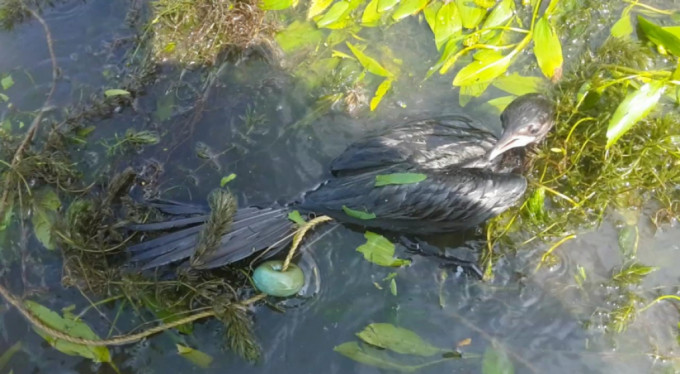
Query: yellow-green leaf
x,y
45,205
227,179
360,214
470,91
334,14
371,15
632,109
297,218
496,360
624,26
447,23
299,35
430,13
385,5
116,92
397,339
368,355
483,71
675,30
369,63
380,92
380,251
407,8
275,4
317,7
76,329
659,36
449,57
398,178
548,49
471,14
518,85
500,14
9,352
500,103
198,358
6,82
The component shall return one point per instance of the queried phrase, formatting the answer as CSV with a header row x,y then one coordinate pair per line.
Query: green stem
x,y
660,298
650,8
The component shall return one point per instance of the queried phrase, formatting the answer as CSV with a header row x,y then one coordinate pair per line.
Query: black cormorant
x,y
470,176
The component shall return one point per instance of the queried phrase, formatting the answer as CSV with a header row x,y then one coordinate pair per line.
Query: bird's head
x,y
526,120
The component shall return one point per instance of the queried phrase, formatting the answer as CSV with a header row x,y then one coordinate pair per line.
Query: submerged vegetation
x,y
614,153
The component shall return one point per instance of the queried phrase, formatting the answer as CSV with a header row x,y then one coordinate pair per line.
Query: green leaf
x,y
632,109
407,8
380,251
659,36
7,219
470,91
6,82
447,23
227,179
393,287
275,4
628,241
373,357
297,218
4,97
399,178
500,103
358,213
500,14
633,273
397,339
76,329
385,5
116,92
518,85
380,92
371,15
430,13
471,15
299,35
369,63
536,205
448,58
624,26
45,205
675,30
7,355
548,49
164,107
496,360
337,12
483,71
317,7
198,358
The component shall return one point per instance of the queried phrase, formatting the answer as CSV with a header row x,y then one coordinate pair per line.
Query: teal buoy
x,y
269,279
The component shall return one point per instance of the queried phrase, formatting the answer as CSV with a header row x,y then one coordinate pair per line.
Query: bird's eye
x,y
533,129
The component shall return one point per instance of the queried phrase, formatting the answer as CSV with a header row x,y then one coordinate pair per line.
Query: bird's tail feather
x,y
252,230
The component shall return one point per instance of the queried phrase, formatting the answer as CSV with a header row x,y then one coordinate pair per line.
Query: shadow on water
x,y
543,321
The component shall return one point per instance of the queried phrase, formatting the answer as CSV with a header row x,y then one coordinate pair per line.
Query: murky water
x,y
541,318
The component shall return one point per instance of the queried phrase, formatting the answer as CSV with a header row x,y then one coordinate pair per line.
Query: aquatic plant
x,y
198,32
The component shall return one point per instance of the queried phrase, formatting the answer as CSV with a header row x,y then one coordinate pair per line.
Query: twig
x,y
297,239
116,340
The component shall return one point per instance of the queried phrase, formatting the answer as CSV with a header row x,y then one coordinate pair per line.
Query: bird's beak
x,y
507,142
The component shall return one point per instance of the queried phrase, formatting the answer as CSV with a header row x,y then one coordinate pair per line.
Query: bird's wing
x,y
444,201
432,143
